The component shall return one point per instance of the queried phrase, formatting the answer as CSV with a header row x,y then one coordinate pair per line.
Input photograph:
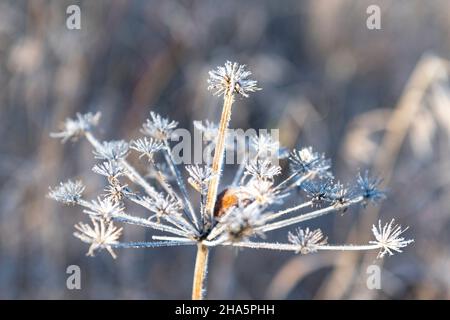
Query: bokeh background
x,y
376,99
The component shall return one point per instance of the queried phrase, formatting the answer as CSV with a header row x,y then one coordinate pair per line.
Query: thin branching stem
x,y
216,231
177,220
149,224
202,209
349,247
283,212
282,183
162,180
155,244
306,216
295,183
296,248
215,242
134,176
181,224
168,238
184,195
240,171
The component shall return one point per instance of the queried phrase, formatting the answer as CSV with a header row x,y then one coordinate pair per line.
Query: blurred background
x,y
377,99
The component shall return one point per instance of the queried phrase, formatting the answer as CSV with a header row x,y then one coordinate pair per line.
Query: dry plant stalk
x,y
429,69
241,215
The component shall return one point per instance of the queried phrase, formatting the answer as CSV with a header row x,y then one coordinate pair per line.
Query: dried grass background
x,y
369,99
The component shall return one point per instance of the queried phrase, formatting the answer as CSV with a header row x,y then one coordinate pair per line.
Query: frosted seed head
x,y
104,208
116,192
163,206
101,235
110,169
147,147
307,240
72,129
318,191
266,147
305,161
368,188
240,222
389,238
262,192
232,78
199,177
158,127
340,194
262,169
112,150
67,192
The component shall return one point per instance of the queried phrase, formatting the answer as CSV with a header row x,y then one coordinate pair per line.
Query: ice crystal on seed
x,y
112,150
109,169
116,192
340,194
262,192
103,235
389,238
240,222
368,186
266,146
74,128
262,169
231,78
163,206
158,127
199,177
305,161
67,192
104,208
307,240
147,147
319,191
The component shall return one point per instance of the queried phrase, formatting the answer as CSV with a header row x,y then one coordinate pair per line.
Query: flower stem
x,y
176,173
219,153
293,247
283,212
200,272
306,216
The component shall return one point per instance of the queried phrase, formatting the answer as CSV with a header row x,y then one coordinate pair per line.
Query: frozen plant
x,y
241,215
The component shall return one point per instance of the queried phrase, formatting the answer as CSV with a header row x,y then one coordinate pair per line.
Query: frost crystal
x,y
389,238
307,240
67,192
101,236
74,128
231,78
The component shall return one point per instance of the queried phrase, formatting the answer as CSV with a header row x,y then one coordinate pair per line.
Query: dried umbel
x,y
241,215
231,79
